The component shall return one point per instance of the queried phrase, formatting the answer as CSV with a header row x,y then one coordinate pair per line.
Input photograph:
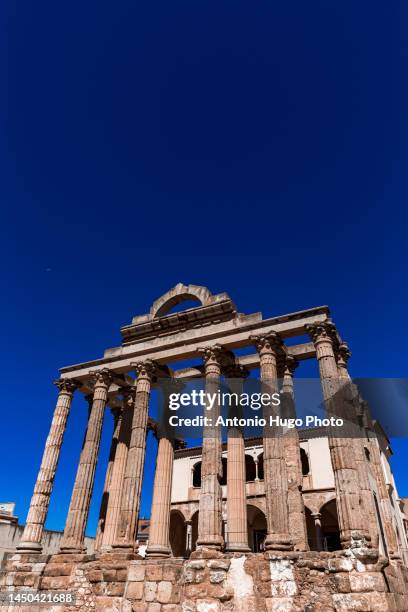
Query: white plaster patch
x,y
241,582
282,578
208,606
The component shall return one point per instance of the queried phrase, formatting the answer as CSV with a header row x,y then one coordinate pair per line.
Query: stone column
x,y
74,532
117,420
382,491
133,476
118,469
237,528
189,537
316,516
353,530
210,516
357,440
275,476
37,514
159,536
291,449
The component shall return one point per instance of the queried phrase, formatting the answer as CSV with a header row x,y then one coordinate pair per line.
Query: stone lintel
x,y
183,345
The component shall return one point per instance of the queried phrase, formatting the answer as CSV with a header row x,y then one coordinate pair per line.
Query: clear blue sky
x,y
256,148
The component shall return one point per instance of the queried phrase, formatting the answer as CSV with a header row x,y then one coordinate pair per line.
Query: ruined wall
x,y
211,582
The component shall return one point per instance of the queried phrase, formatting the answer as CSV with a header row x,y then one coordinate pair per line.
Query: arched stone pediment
x,y
179,293
182,293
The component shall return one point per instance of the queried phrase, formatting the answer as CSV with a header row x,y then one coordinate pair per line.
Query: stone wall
x,y
215,582
10,536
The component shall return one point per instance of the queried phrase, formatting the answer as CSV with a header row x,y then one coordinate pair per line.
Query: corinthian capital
x,y
291,363
211,354
269,343
67,385
343,354
145,369
101,378
325,330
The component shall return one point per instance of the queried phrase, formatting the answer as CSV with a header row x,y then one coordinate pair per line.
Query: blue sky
x,y
258,149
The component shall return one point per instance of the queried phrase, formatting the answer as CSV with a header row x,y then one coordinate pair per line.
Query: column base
x,y
73,549
213,542
32,547
238,547
278,541
158,551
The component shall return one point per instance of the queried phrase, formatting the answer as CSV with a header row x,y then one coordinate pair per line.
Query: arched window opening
x,y
177,534
257,528
197,475
250,468
261,467
304,459
223,479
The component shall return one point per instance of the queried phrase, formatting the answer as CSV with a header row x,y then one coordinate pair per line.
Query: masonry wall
x,y
215,582
10,535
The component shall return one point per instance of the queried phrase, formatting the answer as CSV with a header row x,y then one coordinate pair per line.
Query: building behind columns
x,y
301,521
318,492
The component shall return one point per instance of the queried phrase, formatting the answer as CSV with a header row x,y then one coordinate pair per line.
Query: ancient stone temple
x,y
242,535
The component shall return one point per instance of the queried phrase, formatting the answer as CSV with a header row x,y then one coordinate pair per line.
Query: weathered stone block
x,y
115,589
164,591
121,575
342,582
150,590
135,590
51,582
154,572
366,581
217,577
206,605
139,607
95,575
198,564
136,573
109,575
219,564
360,602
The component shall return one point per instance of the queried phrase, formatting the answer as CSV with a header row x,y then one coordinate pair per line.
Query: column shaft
x,y
118,471
357,441
133,476
117,420
159,536
37,514
74,532
237,528
291,450
210,515
275,475
342,452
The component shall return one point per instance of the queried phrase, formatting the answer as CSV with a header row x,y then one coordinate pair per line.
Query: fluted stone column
x,y
159,536
383,496
118,469
37,514
275,475
74,532
291,449
210,511
357,440
133,476
351,519
237,528
117,420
